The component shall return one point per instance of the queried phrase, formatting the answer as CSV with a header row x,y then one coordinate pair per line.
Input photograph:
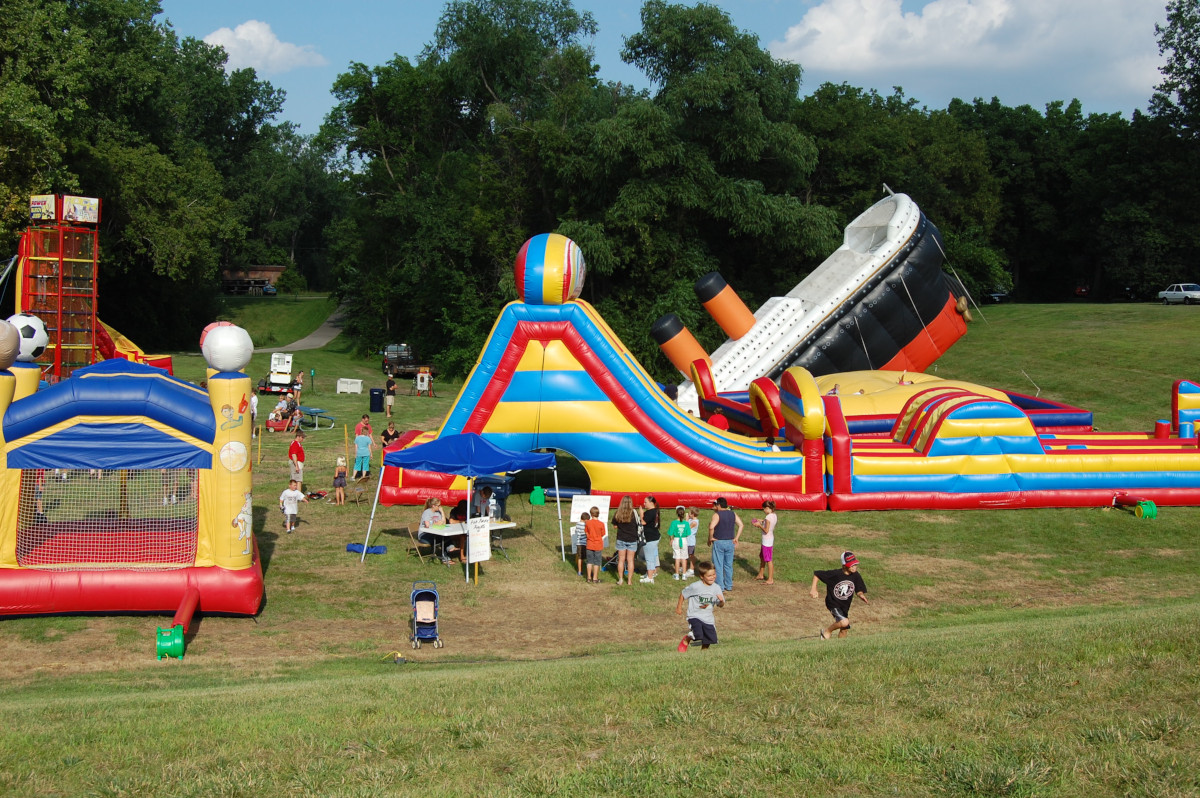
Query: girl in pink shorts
x,y
767,525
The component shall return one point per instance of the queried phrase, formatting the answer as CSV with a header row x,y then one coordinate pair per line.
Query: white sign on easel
x,y
479,539
584,504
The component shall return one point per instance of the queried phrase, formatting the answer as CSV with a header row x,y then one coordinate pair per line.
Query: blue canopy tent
x,y
467,455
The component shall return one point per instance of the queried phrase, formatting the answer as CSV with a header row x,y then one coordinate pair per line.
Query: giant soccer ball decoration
x,y
34,338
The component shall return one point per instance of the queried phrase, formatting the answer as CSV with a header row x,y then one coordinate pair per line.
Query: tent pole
x,y
467,537
372,518
562,541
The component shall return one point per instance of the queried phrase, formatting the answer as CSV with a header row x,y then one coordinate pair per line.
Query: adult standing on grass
x,y
363,446
254,414
363,427
841,586
296,457
651,534
724,531
626,522
389,435
389,394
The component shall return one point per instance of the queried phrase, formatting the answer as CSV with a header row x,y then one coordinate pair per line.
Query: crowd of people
x,y
639,533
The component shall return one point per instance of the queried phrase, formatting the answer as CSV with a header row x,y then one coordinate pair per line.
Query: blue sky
x,y
1102,52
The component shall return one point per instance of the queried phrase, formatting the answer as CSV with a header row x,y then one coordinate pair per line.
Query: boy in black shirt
x,y
841,585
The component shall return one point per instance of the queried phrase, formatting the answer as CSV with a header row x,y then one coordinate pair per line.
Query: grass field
x,y
1021,653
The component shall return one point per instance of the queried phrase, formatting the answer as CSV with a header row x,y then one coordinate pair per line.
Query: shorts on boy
x,y
595,557
627,545
389,400
650,555
703,633
765,554
838,615
692,550
290,520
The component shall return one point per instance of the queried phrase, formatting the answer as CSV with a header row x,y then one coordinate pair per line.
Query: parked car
x,y
1187,293
400,360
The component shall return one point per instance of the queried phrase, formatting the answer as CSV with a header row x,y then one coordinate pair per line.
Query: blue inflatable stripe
x,y
986,444
148,392
109,446
553,386
596,447
992,409
864,425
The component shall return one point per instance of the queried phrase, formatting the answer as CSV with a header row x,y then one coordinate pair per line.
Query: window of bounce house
x,y
140,519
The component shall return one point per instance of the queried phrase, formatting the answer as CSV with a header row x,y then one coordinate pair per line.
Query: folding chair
x,y
416,544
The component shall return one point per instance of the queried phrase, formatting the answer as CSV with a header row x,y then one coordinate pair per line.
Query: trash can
x,y
376,400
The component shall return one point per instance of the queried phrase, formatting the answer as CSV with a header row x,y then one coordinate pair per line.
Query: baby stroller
x,y
425,614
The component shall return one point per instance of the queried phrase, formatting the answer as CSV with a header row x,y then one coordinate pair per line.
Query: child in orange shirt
x,y
594,529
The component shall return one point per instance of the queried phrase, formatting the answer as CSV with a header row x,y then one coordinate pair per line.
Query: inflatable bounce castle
x,y
128,490
553,375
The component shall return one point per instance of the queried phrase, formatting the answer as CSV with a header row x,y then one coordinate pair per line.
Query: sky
x,y
1102,52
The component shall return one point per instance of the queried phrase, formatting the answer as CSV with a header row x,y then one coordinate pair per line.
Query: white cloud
x,y
254,44
1101,49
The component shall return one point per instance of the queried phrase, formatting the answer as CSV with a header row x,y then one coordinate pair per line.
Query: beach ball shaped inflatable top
x,y
213,326
10,344
549,270
32,334
227,348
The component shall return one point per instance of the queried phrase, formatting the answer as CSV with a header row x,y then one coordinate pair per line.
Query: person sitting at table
x,y
434,515
431,516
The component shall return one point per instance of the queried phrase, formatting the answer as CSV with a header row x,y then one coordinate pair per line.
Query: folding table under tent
x,y
467,455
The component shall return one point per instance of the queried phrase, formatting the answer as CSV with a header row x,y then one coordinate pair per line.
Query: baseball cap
x,y
849,559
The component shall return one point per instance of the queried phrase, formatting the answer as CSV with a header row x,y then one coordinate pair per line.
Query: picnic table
x,y
311,417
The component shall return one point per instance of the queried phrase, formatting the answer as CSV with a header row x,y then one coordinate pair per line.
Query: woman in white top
x,y
767,525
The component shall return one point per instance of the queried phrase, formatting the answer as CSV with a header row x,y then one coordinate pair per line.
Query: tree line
x,y
428,174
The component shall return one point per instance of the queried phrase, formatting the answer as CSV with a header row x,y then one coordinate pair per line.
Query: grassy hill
x,y
1039,652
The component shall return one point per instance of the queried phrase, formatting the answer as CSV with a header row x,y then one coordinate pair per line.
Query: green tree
x,y
1177,98
99,97
867,140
